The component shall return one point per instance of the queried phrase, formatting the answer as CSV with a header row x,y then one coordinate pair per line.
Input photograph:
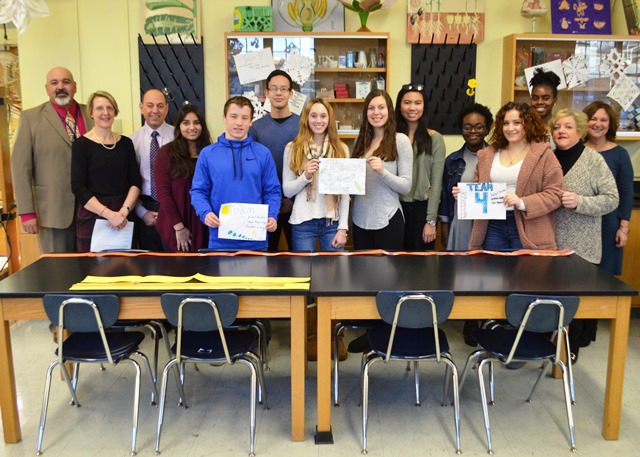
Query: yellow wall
x,y
97,40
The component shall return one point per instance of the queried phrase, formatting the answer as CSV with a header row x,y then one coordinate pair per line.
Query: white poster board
x,y
105,238
254,66
342,176
243,221
482,200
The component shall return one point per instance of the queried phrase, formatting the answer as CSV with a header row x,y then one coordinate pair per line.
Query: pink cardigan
x,y
540,185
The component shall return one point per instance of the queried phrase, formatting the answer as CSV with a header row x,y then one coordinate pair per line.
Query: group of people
x,y
568,184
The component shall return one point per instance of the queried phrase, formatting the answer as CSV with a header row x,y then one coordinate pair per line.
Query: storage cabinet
x,y
522,51
332,54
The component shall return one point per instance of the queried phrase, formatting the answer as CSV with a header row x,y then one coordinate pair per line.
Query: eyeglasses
x,y
279,89
416,87
478,128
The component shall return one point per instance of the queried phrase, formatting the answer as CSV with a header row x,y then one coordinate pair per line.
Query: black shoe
x,y
574,355
360,344
467,331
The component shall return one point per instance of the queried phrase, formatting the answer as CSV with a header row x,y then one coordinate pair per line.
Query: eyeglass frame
x,y
469,128
279,89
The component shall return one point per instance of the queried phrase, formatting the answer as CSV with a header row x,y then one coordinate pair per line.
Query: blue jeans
x,y
305,235
503,235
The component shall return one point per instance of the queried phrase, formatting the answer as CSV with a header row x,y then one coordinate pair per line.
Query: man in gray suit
x,y
41,164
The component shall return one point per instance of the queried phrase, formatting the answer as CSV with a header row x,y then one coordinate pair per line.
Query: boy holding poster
x,y
239,173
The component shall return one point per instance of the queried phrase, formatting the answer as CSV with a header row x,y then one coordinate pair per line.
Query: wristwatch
x,y
431,223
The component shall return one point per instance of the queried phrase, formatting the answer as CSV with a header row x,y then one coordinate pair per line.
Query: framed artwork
x,y
307,16
581,17
451,22
632,16
170,22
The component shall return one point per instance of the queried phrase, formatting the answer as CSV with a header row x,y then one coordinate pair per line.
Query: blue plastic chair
x,y
411,334
533,320
202,324
87,317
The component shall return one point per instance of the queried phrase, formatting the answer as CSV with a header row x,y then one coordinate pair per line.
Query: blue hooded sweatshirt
x,y
231,171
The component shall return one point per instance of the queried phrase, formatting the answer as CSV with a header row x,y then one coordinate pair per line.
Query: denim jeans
x,y
306,234
503,235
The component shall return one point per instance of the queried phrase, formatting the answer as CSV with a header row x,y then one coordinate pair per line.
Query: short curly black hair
x,y
476,108
545,78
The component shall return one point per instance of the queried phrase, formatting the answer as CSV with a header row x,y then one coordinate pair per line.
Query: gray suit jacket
x,y
41,166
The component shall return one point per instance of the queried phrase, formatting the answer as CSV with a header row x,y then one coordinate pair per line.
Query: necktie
x,y
70,125
153,152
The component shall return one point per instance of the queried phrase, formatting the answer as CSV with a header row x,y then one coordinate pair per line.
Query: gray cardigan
x,y
373,210
579,229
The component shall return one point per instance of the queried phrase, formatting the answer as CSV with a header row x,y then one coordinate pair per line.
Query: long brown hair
x,y
534,127
305,136
387,150
180,161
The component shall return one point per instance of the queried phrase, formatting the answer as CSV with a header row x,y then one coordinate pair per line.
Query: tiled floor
x,y
216,423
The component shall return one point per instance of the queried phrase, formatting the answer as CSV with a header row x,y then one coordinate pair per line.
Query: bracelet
x,y
103,210
128,209
180,230
624,230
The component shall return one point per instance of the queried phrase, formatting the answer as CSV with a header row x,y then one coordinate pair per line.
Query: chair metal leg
x,y
262,384
491,384
152,377
471,360
445,394
336,344
456,399
569,365
365,396
71,384
254,389
263,348
543,372
567,401
163,397
416,379
136,403
45,406
485,407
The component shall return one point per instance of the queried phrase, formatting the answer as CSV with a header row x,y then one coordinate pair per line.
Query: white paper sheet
x,y
342,176
243,221
105,238
484,200
554,66
254,66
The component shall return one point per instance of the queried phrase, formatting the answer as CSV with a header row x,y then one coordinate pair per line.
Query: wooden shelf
x,y
349,70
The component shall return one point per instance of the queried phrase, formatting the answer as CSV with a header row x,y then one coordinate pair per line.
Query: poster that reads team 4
x,y
482,200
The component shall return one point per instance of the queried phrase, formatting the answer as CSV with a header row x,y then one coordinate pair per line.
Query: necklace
x,y
109,148
513,160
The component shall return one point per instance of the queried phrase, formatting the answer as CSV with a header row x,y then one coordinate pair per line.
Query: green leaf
x,y
169,24
158,4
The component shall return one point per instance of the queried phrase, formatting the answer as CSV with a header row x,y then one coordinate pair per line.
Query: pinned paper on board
x,y
342,176
482,200
254,66
575,71
243,221
299,67
624,92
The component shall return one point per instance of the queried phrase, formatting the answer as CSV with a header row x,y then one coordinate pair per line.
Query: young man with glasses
x,y
275,131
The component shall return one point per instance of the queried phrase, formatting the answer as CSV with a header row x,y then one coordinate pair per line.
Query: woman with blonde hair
x,y
315,217
105,176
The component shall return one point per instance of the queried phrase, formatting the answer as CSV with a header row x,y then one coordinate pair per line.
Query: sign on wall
x,y
581,16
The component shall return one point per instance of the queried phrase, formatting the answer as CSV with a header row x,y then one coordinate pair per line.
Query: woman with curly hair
x,y
378,222
178,225
520,157
315,217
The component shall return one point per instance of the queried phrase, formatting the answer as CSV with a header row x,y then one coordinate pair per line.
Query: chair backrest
x,y
82,313
200,313
421,309
540,314
416,307
199,316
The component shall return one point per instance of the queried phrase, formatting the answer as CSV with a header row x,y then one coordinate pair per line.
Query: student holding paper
x,y
378,222
420,205
519,156
235,169
177,223
315,217
105,176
